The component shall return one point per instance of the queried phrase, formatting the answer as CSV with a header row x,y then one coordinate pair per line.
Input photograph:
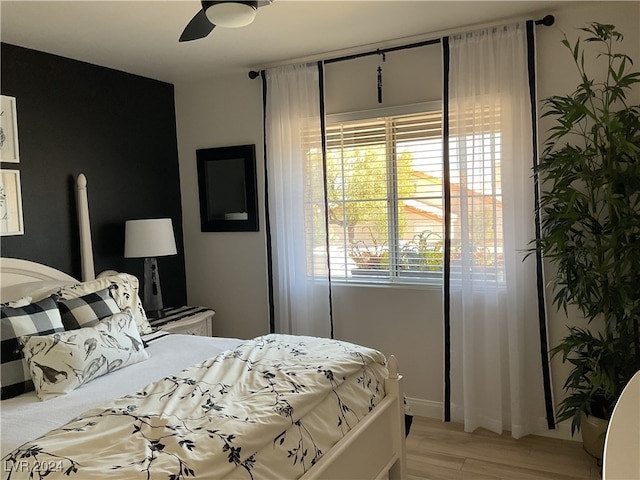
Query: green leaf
x,y
589,211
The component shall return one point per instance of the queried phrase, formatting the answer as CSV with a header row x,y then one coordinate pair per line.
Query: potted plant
x,y
590,225
423,253
369,256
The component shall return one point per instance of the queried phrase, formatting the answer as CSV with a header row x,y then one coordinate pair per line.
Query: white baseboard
x,y
431,409
425,408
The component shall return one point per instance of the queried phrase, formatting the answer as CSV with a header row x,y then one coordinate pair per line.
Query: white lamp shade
x,y
149,238
231,14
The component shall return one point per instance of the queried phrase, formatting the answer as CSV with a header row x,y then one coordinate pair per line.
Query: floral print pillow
x,y
61,362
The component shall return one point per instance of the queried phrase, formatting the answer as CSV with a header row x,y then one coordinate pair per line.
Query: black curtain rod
x,y
383,51
547,21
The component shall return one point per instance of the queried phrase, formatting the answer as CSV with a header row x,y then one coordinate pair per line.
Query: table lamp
x,y
149,239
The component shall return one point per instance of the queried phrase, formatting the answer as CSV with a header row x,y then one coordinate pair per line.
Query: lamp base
x,y
152,299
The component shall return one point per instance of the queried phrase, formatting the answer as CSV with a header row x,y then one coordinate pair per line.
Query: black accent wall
x,y
119,130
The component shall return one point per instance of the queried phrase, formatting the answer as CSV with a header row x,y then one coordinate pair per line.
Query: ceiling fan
x,y
226,13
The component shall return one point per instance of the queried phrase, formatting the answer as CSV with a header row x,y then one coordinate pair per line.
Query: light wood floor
x,y
443,451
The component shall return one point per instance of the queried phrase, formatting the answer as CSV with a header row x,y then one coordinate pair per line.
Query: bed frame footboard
x,y
375,446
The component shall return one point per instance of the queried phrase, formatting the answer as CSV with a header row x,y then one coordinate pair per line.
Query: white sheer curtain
x,y
296,200
495,349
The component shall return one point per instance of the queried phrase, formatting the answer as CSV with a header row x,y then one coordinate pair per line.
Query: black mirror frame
x,y
248,154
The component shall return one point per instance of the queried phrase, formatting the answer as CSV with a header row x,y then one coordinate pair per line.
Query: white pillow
x,y
61,362
21,302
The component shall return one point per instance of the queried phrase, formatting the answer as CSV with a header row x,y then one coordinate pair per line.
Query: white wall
x,y
409,76
227,271
403,321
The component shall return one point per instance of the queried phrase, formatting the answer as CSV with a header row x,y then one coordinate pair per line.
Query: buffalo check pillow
x,y
124,290
87,310
40,318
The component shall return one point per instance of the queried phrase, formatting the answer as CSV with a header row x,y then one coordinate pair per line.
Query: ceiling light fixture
x,y
231,14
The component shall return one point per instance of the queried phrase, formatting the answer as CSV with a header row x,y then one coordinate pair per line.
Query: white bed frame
x,y
374,448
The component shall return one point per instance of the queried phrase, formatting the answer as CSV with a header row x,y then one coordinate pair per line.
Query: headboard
x,y
15,272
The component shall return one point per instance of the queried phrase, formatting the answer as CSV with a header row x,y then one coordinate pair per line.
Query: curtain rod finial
x,y
253,74
547,21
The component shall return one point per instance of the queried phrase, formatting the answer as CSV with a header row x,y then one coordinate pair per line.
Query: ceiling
x,y
141,36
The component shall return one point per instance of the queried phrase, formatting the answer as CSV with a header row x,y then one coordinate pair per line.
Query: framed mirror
x,y
227,189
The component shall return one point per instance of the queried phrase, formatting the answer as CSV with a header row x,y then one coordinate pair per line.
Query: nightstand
x,y
185,320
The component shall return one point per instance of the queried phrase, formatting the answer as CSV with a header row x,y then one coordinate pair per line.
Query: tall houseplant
x,y
590,223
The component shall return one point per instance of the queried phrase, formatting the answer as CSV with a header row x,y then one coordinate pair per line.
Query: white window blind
x,y
385,197
476,195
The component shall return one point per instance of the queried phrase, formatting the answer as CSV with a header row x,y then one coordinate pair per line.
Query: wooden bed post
x,y
86,248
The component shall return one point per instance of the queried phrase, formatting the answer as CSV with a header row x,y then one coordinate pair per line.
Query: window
x,y
475,150
385,196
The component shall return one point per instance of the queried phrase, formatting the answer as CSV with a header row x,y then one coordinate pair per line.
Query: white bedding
x,y
269,408
169,354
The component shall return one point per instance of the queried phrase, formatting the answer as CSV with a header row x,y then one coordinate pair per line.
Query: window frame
x,y
416,279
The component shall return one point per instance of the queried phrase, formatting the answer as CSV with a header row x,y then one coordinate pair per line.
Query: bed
x,y
139,403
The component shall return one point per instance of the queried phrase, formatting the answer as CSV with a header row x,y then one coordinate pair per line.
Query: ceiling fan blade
x,y
198,27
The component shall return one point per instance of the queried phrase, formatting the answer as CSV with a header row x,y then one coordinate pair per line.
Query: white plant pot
x,y
593,431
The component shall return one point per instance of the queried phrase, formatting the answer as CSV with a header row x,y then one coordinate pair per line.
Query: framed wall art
x,y
8,130
227,187
10,203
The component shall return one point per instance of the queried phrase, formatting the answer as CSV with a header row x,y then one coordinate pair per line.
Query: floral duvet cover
x,y
268,409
